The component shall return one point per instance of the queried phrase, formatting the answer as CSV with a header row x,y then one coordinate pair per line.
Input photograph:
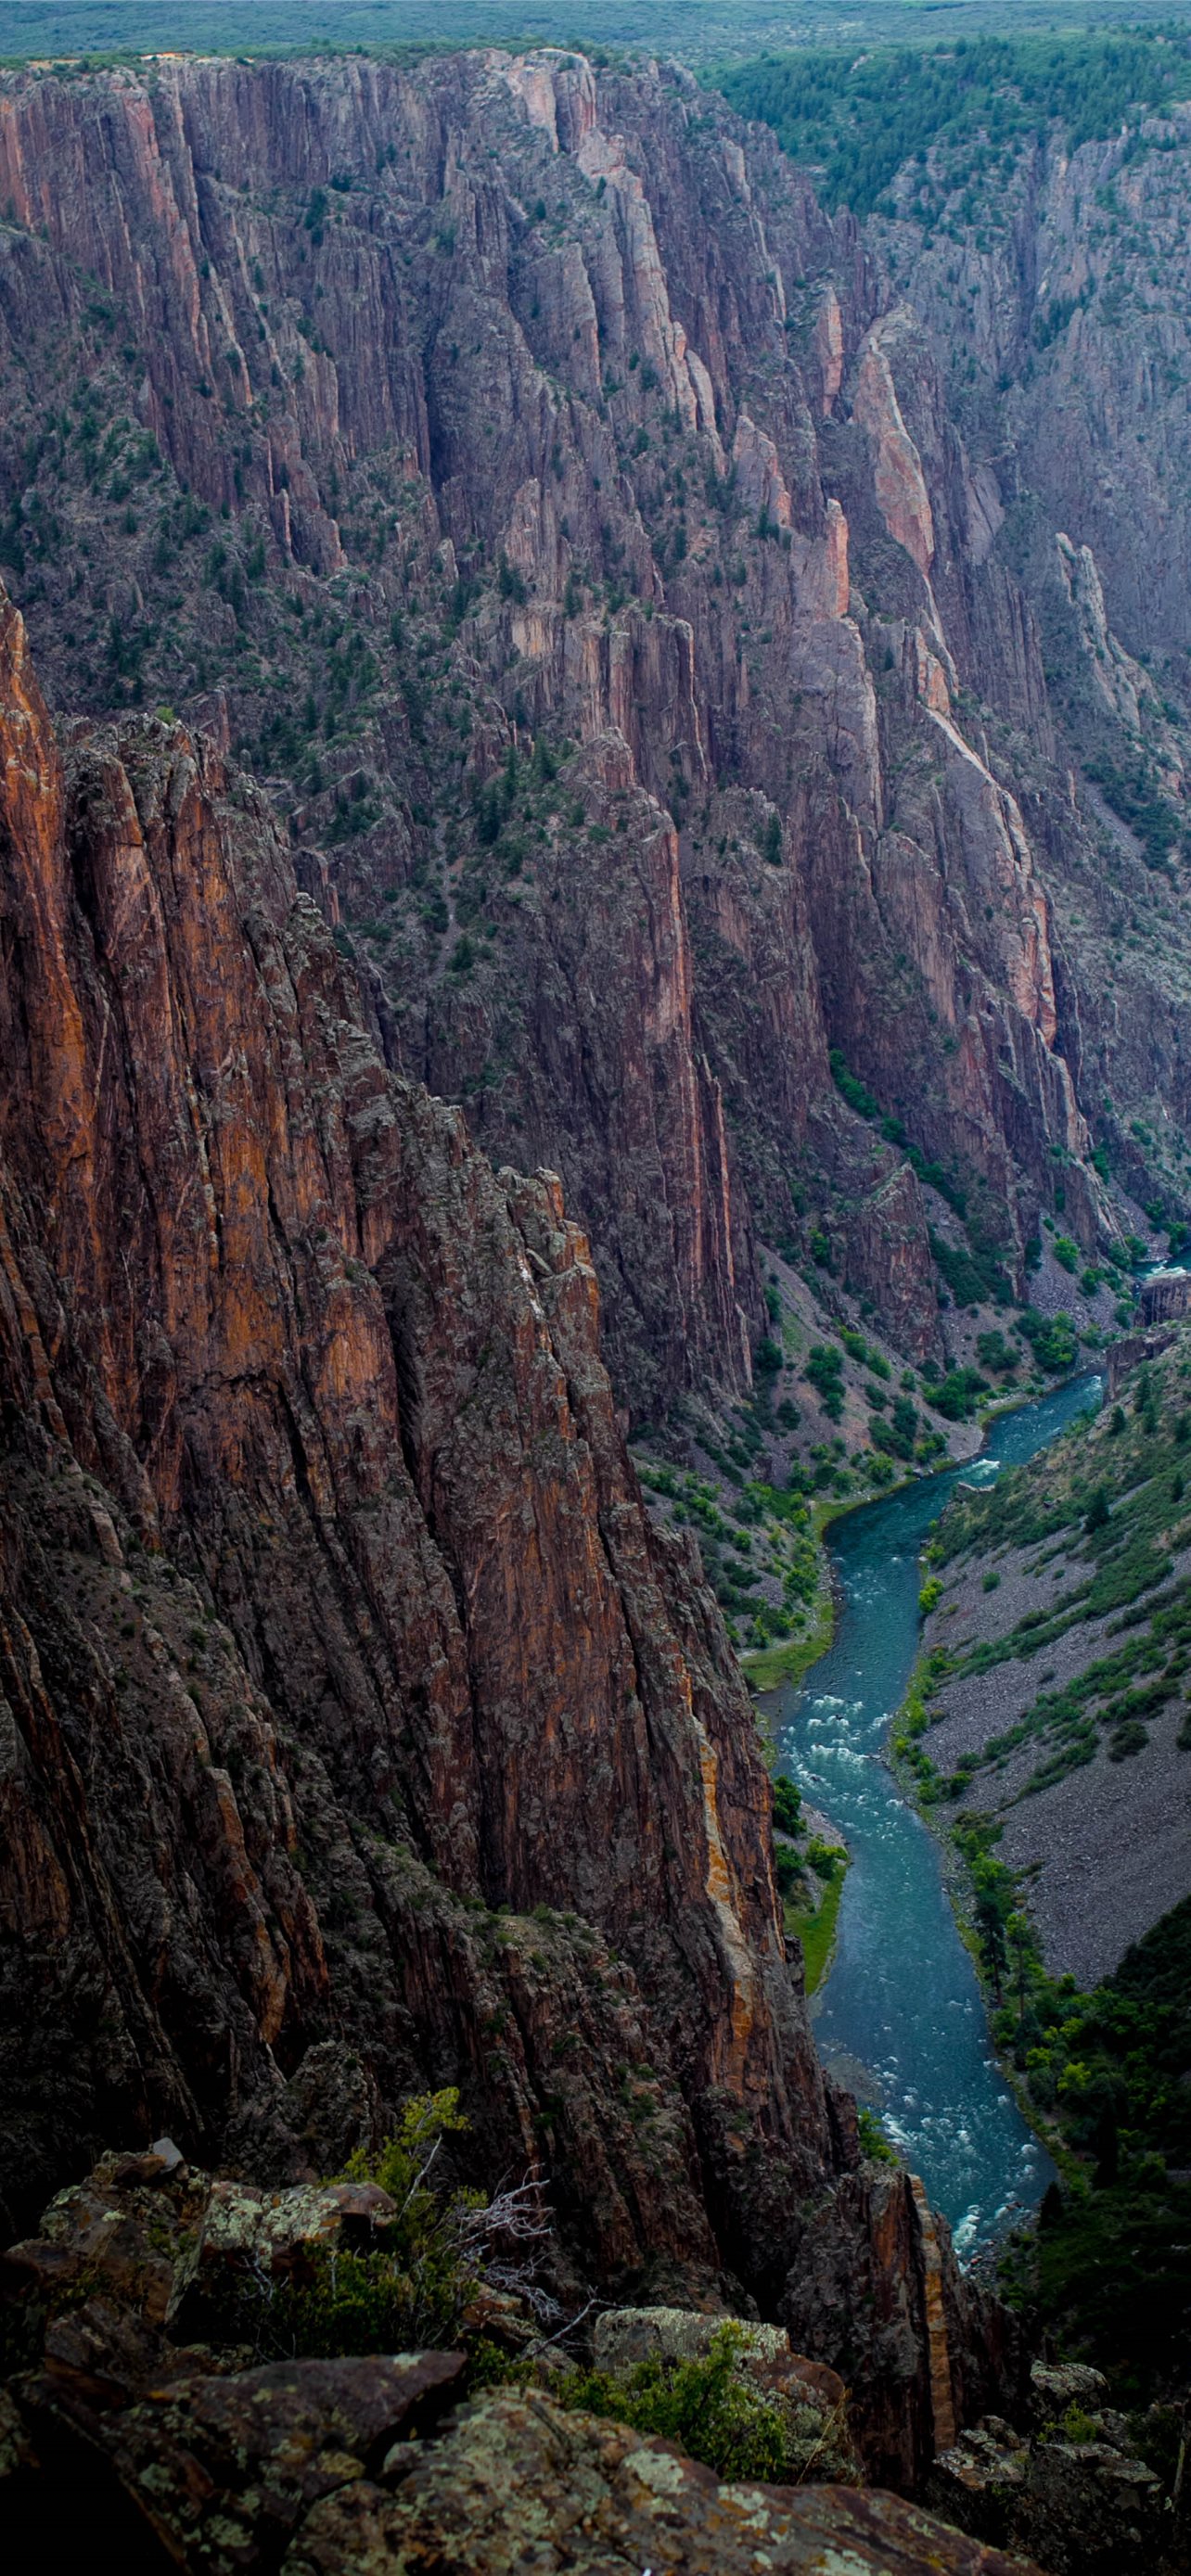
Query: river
x,y
900,2015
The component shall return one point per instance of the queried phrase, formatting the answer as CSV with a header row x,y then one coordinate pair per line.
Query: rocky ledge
x,y
1072,2489
129,2430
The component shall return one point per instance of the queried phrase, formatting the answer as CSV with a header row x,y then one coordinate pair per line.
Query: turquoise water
x,y
901,2000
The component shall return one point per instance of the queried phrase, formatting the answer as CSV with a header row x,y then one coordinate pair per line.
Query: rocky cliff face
x,y
1054,300
511,460
360,1731
613,689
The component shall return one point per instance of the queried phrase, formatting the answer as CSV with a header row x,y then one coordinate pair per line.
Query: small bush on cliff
x,y
708,2407
787,1870
954,1396
874,2143
413,2286
851,1088
1054,1344
824,1368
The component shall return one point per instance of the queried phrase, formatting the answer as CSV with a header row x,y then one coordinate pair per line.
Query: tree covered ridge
x,y
856,118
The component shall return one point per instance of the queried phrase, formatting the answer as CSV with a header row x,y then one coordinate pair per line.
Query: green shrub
x,y
996,1354
787,1806
954,1396
974,1276
826,1859
411,2290
873,2140
824,1368
1054,1344
707,2407
896,1437
787,1869
850,1088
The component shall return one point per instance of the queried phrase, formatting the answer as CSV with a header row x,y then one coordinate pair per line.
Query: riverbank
x,y
767,1669
810,1901
1063,1618
835,1420
817,1933
960,1882
901,1996
1053,1710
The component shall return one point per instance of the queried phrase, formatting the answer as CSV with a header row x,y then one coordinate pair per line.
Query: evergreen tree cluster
x,y
857,118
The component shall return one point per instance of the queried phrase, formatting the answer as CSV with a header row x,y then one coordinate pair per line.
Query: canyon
x,y
361,1728
553,803
410,428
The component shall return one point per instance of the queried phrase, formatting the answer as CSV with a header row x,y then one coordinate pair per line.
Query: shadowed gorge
x,y
363,1731
588,856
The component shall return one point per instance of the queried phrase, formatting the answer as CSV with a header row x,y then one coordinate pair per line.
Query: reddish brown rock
x,y
364,1732
897,468
522,2483
118,2440
652,471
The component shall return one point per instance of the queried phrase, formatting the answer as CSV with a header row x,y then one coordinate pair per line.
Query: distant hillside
x,y
1050,1725
693,31
855,119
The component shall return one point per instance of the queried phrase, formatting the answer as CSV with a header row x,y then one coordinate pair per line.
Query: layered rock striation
x,y
512,460
1053,300
361,1733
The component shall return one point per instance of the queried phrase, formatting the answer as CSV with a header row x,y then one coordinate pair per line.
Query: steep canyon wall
x,y
360,1732
512,463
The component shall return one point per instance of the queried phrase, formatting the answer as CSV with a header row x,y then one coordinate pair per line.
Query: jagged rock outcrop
x,y
360,1729
1073,2490
121,2435
637,2495
1073,302
1053,304
548,410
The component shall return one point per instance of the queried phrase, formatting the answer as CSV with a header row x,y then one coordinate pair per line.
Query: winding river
x,y
900,2016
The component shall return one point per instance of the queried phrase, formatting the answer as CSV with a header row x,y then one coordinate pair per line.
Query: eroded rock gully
x,y
410,426
360,1731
